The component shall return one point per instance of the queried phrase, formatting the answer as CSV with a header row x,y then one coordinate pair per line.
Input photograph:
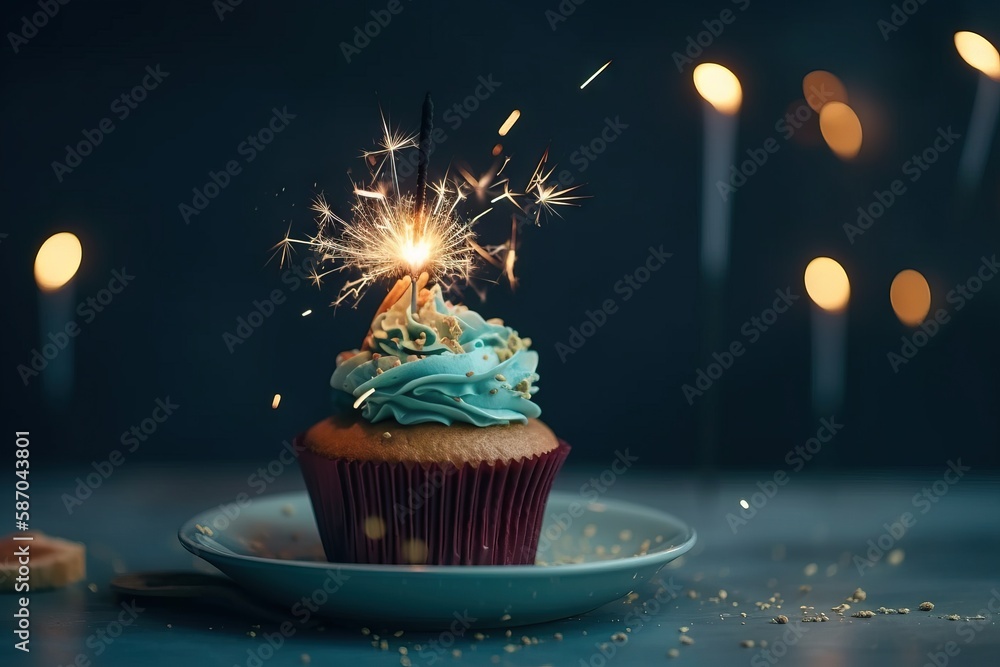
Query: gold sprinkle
x,y
493,391
305,658
686,640
858,596
619,638
397,633
926,606
499,377
780,619
558,636
455,653
864,613
386,435
903,610
469,374
479,636
505,617
673,653
275,401
747,643
379,371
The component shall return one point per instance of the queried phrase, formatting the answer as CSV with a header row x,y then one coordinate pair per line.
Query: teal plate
x,y
589,554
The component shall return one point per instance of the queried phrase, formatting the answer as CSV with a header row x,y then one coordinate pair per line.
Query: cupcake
x,y
434,453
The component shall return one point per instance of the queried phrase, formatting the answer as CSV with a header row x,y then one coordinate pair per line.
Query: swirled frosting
x,y
446,364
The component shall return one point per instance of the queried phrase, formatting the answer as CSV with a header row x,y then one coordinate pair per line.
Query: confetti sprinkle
x,y
362,397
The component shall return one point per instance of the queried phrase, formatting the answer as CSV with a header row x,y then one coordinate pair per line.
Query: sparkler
x,y
393,234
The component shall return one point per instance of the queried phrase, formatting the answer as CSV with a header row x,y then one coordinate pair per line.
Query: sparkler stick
x,y
424,146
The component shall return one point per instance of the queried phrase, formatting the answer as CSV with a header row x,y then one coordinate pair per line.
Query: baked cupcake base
x,y
429,512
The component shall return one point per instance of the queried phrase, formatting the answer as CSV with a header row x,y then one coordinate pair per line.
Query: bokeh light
x,y
827,284
821,87
910,296
979,53
719,87
57,261
841,129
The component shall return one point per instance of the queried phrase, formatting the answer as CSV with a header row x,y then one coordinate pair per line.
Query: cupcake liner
x,y
430,513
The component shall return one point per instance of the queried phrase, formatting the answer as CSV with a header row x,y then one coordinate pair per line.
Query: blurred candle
x,y
56,263
983,56
829,288
723,95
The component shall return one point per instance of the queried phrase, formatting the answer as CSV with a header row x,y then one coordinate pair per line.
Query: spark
x,y
325,214
594,75
386,238
509,123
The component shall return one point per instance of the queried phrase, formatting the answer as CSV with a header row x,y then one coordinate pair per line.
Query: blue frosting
x,y
446,364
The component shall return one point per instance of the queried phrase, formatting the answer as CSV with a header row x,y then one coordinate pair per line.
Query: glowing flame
x,y
977,51
910,296
719,87
827,284
841,129
57,261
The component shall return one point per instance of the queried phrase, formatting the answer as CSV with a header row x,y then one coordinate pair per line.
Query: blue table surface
x,y
798,548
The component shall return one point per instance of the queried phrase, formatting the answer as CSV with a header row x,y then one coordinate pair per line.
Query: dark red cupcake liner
x,y
430,513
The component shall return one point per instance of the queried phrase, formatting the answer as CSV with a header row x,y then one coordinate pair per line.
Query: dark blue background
x,y
162,336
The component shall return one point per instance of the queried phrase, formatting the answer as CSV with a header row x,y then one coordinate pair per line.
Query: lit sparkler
x,y
392,233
